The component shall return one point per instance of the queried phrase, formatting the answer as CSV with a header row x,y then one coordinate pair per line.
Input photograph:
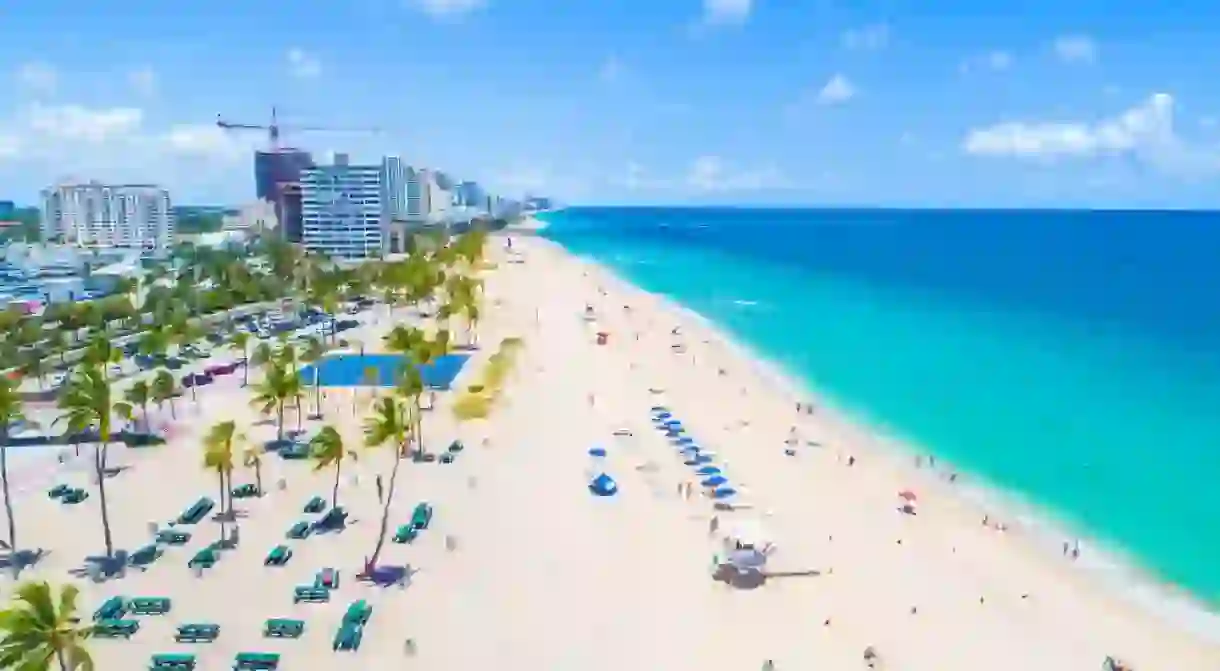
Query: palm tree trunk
x,y
334,491
63,661
99,464
279,424
8,503
245,367
173,410
258,476
385,511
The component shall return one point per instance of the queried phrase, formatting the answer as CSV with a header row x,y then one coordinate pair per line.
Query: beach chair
x,y
256,661
197,511
145,555
278,556
315,505
172,663
422,516
327,578
348,637
245,491
334,519
115,628
74,496
111,609
456,446
149,605
205,558
197,633
405,534
446,458
358,612
172,537
57,491
310,594
300,531
277,628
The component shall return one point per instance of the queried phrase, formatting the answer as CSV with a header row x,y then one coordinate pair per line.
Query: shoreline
x,y
1104,565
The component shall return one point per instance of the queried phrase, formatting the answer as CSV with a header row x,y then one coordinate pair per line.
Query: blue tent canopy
x,y
724,493
684,440
715,481
659,409
603,485
597,452
708,470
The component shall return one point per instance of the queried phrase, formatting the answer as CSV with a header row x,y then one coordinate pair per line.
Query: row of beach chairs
x,y
421,517
245,661
67,495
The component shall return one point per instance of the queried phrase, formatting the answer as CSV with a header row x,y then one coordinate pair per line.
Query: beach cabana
x,y
603,485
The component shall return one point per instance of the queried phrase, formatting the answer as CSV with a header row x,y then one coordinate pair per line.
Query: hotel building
x,y
342,214
102,216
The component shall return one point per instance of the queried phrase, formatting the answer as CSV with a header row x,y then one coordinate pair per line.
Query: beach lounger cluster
x,y
351,630
173,537
451,452
310,594
421,517
278,556
256,661
174,662
115,628
145,555
67,495
333,520
700,460
197,511
197,633
110,619
246,491
281,628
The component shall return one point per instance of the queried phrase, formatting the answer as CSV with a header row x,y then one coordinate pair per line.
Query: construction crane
x,y
274,128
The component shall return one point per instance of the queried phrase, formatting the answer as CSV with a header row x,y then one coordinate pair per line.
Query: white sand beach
x,y
540,574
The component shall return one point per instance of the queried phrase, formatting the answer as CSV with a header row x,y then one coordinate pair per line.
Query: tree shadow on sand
x,y
388,576
755,579
102,568
16,562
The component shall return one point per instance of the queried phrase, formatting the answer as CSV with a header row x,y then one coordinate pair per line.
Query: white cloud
x,y
611,70
1075,48
38,77
203,140
999,60
722,12
442,9
302,65
838,90
1145,131
711,173
82,124
869,38
143,81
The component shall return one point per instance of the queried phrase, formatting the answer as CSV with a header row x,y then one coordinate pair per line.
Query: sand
x,y
542,575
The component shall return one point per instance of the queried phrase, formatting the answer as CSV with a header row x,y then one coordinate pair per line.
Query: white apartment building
x,y
101,216
255,217
341,209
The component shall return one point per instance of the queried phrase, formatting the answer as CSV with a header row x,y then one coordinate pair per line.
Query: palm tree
x,y
34,364
326,449
388,425
277,386
10,414
314,352
164,388
139,394
38,628
241,340
263,353
218,456
87,401
418,350
252,457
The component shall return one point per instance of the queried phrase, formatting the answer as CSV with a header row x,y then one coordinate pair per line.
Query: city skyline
x,y
713,101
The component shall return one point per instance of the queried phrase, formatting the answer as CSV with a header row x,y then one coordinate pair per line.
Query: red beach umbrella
x,y
907,495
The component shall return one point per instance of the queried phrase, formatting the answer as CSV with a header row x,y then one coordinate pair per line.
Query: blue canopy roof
x,y
597,452
603,485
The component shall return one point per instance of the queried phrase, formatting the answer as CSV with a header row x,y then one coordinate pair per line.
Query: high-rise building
x,y
396,176
470,194
95,215
288,211
341,209
273,171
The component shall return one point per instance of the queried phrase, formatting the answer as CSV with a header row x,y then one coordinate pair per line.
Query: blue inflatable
x,y
603,485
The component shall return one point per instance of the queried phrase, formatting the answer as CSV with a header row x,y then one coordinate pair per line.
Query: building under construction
x,y
277,179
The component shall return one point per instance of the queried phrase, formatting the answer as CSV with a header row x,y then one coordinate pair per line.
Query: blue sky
x,y
951,103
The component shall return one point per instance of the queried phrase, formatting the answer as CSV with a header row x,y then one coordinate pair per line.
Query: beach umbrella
x,y
723,493
907,495
684,440
658,409
708,470
597,452
673,424
715,481
689,451
603,485
697,460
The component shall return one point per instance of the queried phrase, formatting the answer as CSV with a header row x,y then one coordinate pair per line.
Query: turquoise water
x,y
348,370
1083,381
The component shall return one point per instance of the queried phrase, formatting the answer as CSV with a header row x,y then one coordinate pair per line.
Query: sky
x,y
1071,103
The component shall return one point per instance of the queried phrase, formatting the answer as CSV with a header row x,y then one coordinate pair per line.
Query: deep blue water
x,y
1071,357
348,370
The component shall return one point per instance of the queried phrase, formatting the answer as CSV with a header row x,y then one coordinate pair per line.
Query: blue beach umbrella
x,y
689,451
597,452
658,409
724,493
603,485
684,440
715,481
708,470
673,424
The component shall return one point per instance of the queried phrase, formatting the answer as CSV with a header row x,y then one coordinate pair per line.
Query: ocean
x,y
1070,359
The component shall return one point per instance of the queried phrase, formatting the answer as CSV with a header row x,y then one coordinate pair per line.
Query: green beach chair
x,y
348,637
446,458
149,605
145,555
278,556
197,511
177,662
245,491
422,516
256,661
205,558
300,531
74,496
111,609
405,534
310,594
172,537
57,491
197,633
115,628
279,628
456,446
358,612
327,578
315,505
